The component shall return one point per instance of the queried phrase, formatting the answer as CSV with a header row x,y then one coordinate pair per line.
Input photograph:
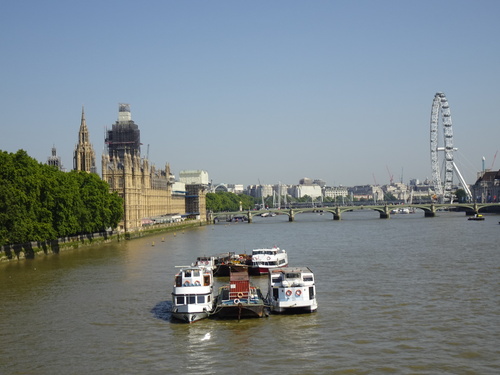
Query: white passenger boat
x,y
292,290
192,296
264,260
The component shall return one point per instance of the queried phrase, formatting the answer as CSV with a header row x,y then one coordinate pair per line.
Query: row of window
x,y
192,300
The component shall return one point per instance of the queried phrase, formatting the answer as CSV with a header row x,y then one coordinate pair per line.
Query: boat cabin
x,y
194,276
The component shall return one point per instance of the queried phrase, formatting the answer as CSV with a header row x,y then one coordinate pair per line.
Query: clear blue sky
x,y
255,91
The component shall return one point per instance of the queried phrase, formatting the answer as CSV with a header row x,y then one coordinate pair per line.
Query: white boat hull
x,y
292,290
192,295
190,317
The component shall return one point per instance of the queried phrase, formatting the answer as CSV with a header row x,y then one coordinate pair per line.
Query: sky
x,y
256,92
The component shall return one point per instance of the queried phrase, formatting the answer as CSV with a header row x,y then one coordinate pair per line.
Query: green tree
x,y
225,201
38,202
461,195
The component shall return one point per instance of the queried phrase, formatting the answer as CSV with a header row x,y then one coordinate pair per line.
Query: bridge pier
x,y
430,213
386,214
336,214
249,217
291,217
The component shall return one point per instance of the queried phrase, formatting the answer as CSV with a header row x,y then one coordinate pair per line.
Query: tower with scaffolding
x,y
146,191
124,136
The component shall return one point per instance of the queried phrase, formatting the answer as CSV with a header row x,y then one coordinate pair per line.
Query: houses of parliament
x,y
147,192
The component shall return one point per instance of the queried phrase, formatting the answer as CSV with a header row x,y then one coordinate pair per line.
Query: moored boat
x,y
192,296
292,290
239,299
222,263
264,260
477,217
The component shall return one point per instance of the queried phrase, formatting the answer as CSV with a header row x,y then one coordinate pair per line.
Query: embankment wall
x,y
31,249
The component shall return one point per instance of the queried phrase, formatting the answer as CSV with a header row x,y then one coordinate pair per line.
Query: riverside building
x,y
146,191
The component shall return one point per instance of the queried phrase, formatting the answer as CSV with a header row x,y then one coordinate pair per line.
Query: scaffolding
x,y
124,135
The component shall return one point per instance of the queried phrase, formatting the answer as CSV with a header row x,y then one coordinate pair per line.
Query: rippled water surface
x,y
408,295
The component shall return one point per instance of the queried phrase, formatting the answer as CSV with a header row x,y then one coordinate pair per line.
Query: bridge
x,y
337,211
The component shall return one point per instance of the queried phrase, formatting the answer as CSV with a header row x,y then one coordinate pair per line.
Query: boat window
x,y
308,278
201,299
311,292
292,275
281,261
178,280
196,273
179,300
276,279
192,300
206,280
187,273
275,293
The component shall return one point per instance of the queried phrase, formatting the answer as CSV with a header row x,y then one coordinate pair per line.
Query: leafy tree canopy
x,y
38,202
224,201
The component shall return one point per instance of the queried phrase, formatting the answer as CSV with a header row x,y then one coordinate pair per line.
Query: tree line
x,y
38,202
225,201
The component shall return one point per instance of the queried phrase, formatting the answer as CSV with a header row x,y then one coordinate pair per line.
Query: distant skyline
x,y
256,92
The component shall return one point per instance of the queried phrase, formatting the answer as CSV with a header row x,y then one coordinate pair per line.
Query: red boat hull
x,y
263,270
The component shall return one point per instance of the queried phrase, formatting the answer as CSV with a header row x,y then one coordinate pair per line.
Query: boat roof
x,y
185,268
301,269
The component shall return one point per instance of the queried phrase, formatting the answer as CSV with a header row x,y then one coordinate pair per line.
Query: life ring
x,y
197,283
298,292
240,295
236,301
186,283
288,293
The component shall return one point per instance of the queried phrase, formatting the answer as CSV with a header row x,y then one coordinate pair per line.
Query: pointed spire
x,y
84,157
83,124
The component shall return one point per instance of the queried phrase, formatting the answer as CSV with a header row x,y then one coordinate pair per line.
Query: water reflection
x,y
162,310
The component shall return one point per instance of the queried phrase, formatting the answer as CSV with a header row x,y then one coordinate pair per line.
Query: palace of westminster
x,y
150,195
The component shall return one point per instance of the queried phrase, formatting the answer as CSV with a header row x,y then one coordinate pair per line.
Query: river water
x,y
408,295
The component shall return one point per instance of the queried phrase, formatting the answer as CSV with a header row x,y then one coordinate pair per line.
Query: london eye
x,y
443,180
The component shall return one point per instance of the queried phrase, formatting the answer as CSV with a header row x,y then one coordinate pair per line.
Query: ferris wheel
x,y
443,183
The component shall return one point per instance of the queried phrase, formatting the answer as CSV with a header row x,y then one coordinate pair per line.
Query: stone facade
x,y
487,187
147,192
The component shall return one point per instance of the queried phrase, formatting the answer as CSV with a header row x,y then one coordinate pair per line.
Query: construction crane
x,y
391,177
493,162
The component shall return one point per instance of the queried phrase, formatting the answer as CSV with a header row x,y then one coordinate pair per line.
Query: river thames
x,y
407,295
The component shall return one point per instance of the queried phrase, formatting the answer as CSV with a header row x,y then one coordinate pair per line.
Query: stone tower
x,y
124,136
55,160
146,191
84,158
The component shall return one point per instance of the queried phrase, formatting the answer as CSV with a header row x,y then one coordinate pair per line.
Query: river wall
x,y
31,249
